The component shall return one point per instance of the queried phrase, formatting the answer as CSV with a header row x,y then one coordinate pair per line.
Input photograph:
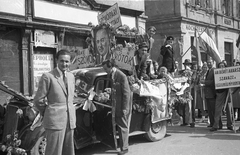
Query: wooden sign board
x,y
228,77
111,16
124,58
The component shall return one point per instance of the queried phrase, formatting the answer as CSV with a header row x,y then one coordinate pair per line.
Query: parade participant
x,y
221,95
54,100
168,54
209,91
142,56
103,45
176,69
200,100
123,103
187,107
236,96
148,39
155,70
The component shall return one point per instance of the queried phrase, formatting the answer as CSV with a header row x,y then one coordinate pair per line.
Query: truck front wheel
x,y
155,131
39,147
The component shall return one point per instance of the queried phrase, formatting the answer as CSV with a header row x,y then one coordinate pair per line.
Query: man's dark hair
x,y
109,63
63,52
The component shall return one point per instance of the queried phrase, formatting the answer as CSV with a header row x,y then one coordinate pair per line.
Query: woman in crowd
x,y
200,98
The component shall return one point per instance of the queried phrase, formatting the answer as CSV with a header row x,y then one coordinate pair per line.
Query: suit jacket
x,y
209,89
59,107
123,93
107,56
167,58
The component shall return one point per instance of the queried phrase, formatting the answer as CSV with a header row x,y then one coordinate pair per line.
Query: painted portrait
x,y
102,37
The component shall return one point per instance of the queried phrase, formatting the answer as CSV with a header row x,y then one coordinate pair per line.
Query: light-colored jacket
x,y
59,106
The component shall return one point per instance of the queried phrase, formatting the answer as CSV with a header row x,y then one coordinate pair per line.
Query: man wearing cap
x,y
148,38
168,54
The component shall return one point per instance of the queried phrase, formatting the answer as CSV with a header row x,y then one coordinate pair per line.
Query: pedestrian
x,y
54,100
123,99
209,91
168,54
221,95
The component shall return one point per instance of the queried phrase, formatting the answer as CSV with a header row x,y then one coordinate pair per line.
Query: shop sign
x,y
227,22
124,58
42,63
228,77
199,29
44,38
111,16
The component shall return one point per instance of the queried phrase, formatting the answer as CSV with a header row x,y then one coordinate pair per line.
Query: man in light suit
x,y
54,100
148,38
123,103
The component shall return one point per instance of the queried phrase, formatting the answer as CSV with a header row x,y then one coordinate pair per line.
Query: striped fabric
x,y
210,46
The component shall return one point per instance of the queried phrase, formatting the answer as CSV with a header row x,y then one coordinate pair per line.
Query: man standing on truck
x,y
123,103
54,100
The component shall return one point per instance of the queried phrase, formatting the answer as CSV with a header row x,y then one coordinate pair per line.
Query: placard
x,y
111,16
124,58
228,77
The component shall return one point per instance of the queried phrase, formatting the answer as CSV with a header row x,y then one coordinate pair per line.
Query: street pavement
x,y
180,140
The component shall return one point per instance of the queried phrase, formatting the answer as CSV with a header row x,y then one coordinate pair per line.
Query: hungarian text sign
x,y
124,58
228,77
111,16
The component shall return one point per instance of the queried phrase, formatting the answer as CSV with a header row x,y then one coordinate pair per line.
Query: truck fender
x,y
29,137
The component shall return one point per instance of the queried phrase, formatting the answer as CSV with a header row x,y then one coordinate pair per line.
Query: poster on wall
x,y
41,63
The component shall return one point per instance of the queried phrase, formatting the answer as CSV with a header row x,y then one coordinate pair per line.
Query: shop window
x,y
228,52
10,63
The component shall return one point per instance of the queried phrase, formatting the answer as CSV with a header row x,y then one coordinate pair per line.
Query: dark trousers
x,y
123,130
211,109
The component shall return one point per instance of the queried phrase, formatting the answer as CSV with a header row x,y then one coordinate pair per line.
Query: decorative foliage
x,y
11,146
103,97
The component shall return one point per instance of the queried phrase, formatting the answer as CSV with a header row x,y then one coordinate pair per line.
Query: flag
x,y
238,51
196,49
209,45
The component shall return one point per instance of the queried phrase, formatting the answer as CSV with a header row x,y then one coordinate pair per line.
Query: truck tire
x,y
155,131
39,147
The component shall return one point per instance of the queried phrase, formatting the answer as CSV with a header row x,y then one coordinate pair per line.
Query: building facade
x,y
32,31
179,18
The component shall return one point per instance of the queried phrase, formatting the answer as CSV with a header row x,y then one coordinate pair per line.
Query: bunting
x,y
209,45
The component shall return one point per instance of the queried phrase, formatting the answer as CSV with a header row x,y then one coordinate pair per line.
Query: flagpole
x,y
191,45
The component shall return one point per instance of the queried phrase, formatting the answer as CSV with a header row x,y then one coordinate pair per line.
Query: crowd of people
x,y
207,103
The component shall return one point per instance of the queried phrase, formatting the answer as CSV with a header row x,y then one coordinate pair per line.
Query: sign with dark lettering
x,y
124,57
111,16
82,59
41,63
228,77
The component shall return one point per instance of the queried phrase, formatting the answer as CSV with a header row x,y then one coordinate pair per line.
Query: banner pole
x,y
231,110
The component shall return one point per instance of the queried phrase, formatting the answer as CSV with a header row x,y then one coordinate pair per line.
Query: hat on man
x,y
143,44
170,38
187,62
153,28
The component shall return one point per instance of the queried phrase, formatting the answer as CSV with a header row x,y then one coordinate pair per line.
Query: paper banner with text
x,y
124,58
228,77
111,16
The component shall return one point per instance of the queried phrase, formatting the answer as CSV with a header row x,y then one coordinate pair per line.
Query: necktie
x,y
65,79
